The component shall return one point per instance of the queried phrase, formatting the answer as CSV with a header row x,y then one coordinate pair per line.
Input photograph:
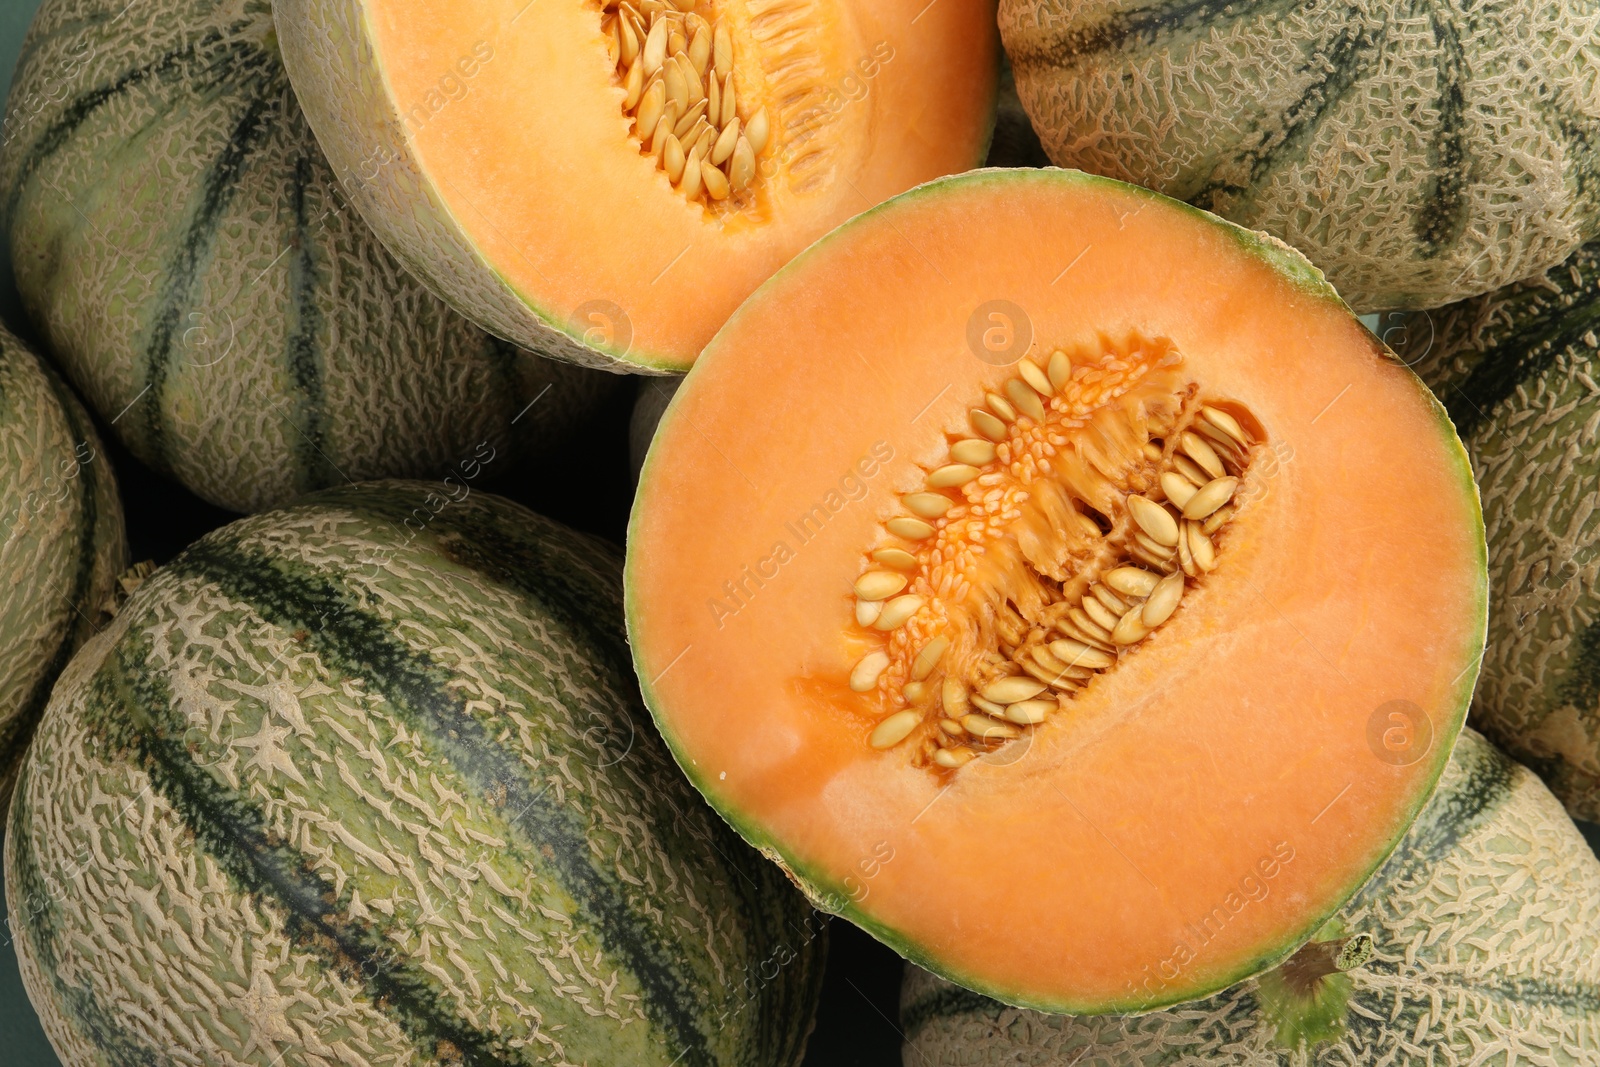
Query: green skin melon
x,y
365,781
1484,948
832,893
1417,153
1516,370
181,244
61,540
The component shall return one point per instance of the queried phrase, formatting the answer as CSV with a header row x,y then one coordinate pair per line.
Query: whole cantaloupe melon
x,y
183,247
61,540
365,781
1417,154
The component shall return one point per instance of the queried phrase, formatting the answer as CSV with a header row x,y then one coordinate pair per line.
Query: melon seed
x,y
896,612
1000,406
1209,497
952,476
867,611
952,757
997,710
987,729
953,696
1131,628
1154,520
1012,689
927,505
1022,396
898,558
1177,488
1059,369
1078,654
1029,712
1163,600
1035,377
1195,447
1110,599
866,672
910,529
879,585
757,130
1131,581
1218,517
987,425
929,657
1187,467
1225,422
973,452
895,729
1098,612
1200,546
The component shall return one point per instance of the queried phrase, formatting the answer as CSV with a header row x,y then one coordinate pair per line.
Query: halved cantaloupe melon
x,y
605,181
1061,584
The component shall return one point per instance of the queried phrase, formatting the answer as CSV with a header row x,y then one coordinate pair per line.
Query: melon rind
x,y
61,540
1517,370
183,248
829,893
1418,154
367,782
1486,922
327,46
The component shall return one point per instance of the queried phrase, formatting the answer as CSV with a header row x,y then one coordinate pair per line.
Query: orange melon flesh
x,y
1205,806
510,181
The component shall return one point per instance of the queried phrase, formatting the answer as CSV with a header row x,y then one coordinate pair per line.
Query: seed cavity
x,y
1086,499
675,63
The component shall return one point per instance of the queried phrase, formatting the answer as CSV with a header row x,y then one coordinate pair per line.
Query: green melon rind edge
x,y
823,891
329,82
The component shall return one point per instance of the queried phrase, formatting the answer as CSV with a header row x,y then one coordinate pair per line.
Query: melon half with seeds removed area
x,y
604,182
1063,585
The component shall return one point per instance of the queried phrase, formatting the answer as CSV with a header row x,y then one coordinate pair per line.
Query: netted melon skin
x,y
1517,371
61,541
1418,154
185,251
1486,922
341,787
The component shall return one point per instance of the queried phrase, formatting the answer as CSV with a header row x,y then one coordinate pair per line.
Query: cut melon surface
x,y
1061,584
499,148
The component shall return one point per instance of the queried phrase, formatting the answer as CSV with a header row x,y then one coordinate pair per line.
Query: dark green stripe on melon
x,y
357,643
1444,213
232,830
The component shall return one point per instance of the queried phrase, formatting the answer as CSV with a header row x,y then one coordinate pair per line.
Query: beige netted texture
x,y
1519,371
1486,926
1417,154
